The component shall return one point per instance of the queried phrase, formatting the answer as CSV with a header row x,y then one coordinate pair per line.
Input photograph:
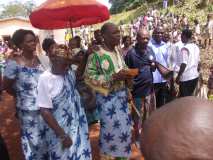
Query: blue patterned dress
x,y
31,122
70,115
115,135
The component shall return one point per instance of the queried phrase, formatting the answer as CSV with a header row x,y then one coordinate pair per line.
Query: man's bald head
x,y
158,29
157,34
106,27
181,130
143,38
110,33
142,32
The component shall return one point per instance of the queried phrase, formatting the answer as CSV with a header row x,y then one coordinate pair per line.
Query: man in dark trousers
x,y
143,88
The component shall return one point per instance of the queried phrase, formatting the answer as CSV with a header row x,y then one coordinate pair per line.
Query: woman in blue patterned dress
x,y
20,79
59,100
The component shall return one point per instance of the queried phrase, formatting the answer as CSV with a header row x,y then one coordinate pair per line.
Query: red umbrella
x,y
58,14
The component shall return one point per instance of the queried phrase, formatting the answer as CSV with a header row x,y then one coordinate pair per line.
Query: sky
x,y
38,2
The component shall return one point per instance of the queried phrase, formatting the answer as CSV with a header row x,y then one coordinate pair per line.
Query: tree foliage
x,y
17,9
122,5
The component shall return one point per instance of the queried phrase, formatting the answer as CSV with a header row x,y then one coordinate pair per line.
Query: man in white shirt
x,y
189,69
160,50
170,47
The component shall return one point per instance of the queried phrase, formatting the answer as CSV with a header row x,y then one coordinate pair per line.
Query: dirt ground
x,y
11,133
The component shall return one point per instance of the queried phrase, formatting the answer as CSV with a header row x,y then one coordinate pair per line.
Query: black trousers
x,y
161,94
187,88
3,150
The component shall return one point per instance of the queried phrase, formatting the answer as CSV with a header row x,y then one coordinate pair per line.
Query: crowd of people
x,y
117,80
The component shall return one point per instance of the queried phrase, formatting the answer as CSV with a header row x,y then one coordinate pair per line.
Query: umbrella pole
x,y
71,27
72,32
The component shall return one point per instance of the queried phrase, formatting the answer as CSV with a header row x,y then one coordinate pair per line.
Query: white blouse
x,y
49,86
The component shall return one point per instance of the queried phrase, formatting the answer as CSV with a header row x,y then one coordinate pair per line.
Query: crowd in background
x,y
122,73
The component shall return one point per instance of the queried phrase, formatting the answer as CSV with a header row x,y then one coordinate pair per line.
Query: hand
x,y
120,76
66,141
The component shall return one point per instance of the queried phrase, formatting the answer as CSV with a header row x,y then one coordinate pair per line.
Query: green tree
x,y
17,9
29,6
122,5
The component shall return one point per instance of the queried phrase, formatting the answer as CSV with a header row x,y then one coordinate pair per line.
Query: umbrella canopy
x,y
58,14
